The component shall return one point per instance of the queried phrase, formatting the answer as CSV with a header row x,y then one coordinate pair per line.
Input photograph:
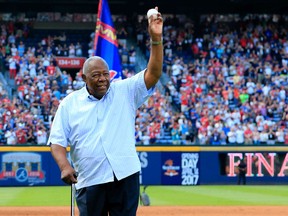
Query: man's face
x,y
97,78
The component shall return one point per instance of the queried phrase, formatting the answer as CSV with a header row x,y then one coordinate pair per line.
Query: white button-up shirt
x,y
101,133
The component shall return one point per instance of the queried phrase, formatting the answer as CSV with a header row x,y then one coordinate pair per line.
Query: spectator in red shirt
x,y
184,101
21,136
198,90
51,69
248,136
46,98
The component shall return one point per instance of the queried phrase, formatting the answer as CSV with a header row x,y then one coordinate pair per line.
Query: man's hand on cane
x,y
69,175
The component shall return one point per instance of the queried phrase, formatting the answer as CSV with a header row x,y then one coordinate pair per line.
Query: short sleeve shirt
x,y
101,133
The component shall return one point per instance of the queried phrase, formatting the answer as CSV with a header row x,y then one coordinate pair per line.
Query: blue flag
x,y
105,42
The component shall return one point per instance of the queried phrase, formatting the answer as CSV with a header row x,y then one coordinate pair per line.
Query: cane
x,y
73,192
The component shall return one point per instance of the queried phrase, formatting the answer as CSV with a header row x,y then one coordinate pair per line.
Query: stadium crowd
x,y
227,81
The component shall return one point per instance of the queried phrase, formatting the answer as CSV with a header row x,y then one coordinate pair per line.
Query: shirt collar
x,y
90,97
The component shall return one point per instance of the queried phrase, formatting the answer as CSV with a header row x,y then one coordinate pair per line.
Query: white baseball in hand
x,y
151,12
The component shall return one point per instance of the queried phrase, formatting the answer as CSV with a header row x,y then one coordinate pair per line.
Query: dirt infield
x,y
159,211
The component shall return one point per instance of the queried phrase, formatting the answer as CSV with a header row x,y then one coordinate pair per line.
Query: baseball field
x,y
165,200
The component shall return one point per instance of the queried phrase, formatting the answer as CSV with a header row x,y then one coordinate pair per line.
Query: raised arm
x,y
154,67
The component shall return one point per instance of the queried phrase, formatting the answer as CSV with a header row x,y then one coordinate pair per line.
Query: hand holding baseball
x,y
152,12
155,22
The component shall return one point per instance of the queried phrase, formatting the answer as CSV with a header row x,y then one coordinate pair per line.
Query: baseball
x,y
151,12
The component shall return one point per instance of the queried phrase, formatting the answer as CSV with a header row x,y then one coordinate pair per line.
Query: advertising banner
x,y
20,167
28,169
150,168
261,167
70,62
169,168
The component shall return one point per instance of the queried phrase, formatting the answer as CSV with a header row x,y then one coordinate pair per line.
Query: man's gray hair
x,y
86,63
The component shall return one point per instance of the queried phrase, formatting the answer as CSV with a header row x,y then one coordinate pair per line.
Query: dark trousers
x,y
118,198
242,177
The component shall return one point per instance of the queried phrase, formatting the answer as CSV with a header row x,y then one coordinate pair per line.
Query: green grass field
x,y
159,195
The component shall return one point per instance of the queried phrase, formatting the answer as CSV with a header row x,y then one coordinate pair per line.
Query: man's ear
x,y
84,77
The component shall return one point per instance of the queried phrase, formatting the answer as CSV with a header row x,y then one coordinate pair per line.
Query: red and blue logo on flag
x,y
105,42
